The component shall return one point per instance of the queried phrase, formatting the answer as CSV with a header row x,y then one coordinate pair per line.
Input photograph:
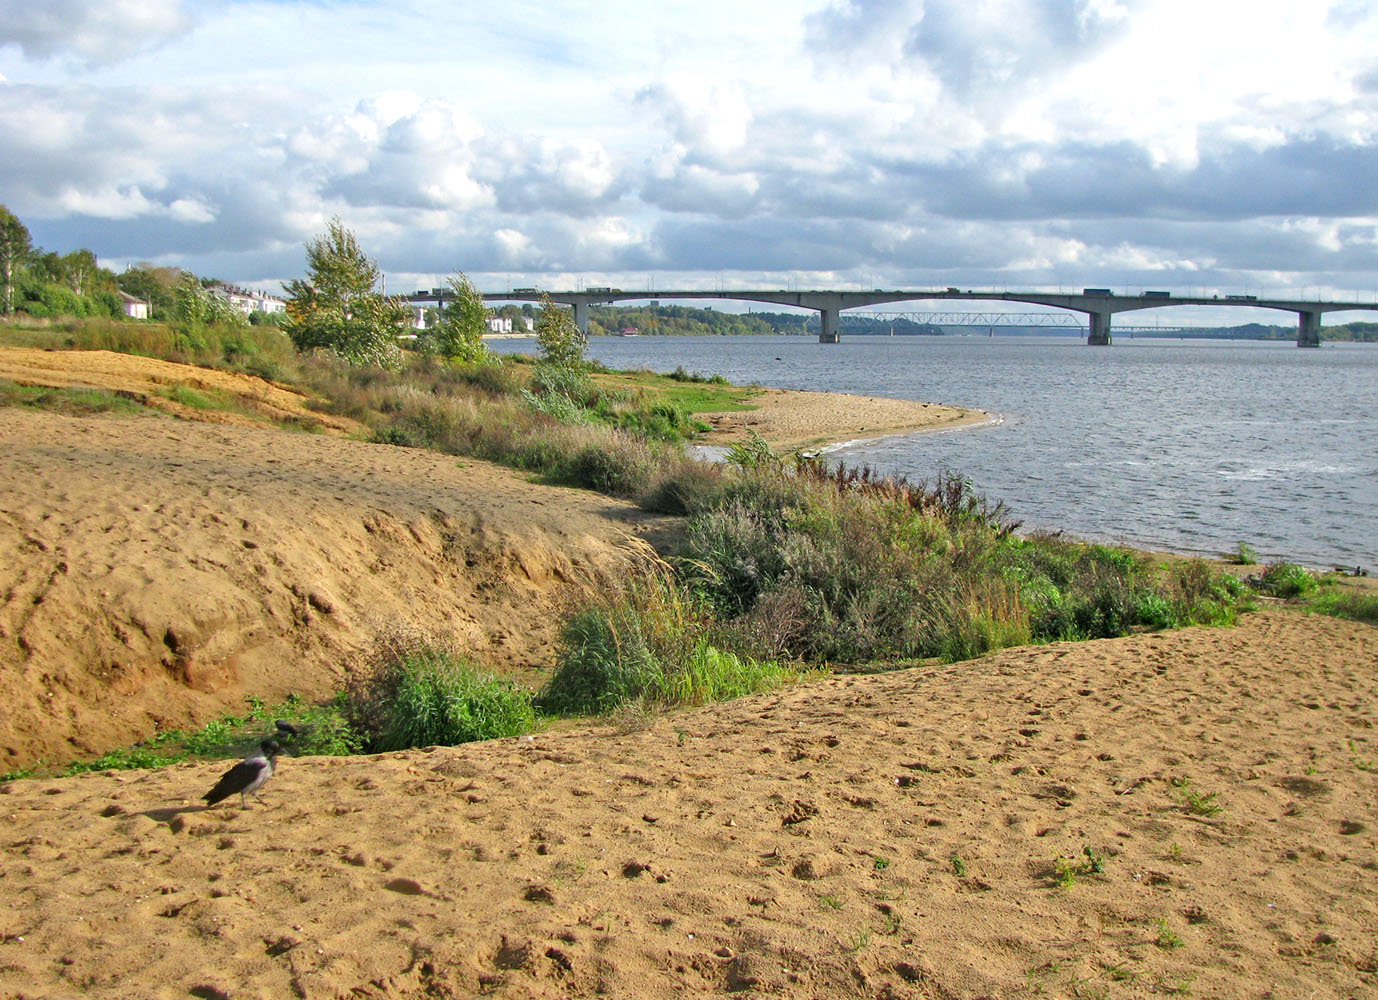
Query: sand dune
x,y
157,570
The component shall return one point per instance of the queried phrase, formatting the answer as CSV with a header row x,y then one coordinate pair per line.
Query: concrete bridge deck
x,y
1098,304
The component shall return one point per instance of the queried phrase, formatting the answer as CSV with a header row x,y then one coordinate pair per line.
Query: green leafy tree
x,y
464,321
336,308
154,285
15,246
558,337
194,305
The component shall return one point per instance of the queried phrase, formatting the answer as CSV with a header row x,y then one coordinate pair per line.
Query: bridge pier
x,y
581,317
1099,333
1308,329
829,322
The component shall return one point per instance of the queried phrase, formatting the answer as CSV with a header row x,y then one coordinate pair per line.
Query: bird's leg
x,y
243,801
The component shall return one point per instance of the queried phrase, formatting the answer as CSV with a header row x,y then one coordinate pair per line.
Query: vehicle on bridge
x,y
1157,295
526,291
1096,291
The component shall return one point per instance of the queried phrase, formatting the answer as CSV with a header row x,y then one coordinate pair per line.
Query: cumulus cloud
x,y
996,45
711,118
991,140
97,33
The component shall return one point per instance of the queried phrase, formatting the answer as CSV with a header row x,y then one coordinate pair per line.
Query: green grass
x,y
255,350
649,642
198,399
1167,939
323,732
1195,802
419,693
1243,555
1287,580
1343,603
701,394
73,401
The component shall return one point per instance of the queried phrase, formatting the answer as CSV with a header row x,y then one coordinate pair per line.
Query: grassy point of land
x,y
696,395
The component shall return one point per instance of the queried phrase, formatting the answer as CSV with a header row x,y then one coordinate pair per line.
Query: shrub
x,y
569,381
1287,580
419,693
683,486
619,467
648,643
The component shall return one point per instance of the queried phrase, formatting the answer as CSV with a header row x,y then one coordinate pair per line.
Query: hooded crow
x,y
246,777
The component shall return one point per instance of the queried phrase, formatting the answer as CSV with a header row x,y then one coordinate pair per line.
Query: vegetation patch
x,y
651,643
74,401
320,730
420,693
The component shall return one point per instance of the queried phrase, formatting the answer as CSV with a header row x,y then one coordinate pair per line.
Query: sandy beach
x,y
1177,813
789,419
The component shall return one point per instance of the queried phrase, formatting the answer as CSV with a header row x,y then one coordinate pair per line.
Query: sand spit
x,y
790,418
897,836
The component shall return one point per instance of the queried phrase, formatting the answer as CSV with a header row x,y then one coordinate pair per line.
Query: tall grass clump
x,y
860,575
1350,605
845,566
649,643
256,350
1285,579
419,693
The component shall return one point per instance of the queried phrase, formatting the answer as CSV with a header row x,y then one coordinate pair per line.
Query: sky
x,y
1199,146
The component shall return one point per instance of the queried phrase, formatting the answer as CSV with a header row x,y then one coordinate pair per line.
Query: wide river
x,y
1178,445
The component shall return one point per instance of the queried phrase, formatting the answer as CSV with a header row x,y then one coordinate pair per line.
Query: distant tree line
x,y
1352,332
693,321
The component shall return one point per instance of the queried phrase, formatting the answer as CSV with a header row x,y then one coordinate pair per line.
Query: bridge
x,y
1097,304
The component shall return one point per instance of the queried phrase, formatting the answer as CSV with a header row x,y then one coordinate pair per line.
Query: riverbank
x,y
789,418
1156,814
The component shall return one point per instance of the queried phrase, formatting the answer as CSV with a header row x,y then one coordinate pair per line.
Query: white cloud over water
x,y
892,142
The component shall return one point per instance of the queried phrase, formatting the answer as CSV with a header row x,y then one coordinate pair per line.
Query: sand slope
x,y
797,844
154,571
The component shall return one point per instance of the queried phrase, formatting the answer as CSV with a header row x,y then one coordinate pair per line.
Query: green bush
x,y
648,644
419,694
618,467
571,382
1287,580
683,486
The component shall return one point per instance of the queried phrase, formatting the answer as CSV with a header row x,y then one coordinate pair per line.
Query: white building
x,y
133,308
248,301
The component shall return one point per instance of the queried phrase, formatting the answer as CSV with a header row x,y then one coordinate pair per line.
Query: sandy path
x,y
797,844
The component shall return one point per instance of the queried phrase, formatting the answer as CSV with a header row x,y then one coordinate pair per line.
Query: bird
x,y
246,777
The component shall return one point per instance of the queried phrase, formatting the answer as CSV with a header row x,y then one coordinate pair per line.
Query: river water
x,y
1178,445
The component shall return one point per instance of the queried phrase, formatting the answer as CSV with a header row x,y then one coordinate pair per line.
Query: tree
x,y
336,308
464,321
154,285
15,247
194,305
560,340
